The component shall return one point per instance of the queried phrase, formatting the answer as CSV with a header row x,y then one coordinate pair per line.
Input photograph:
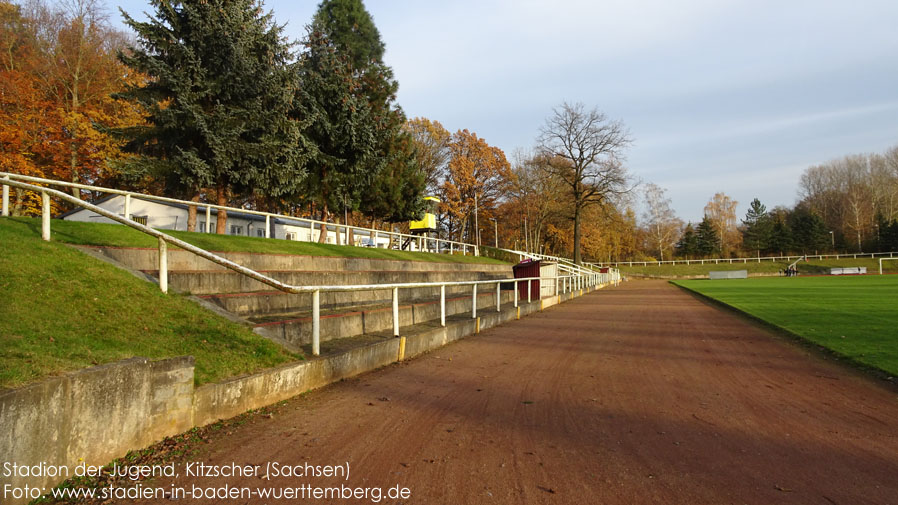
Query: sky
x,y
725,96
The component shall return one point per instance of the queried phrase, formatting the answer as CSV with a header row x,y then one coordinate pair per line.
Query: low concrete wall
x,y
228,399
96,414
101,413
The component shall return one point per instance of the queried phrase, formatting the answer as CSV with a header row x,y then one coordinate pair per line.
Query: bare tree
x,y
536,192
662,223
585,150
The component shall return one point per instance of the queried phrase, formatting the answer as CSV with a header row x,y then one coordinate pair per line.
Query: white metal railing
x,y
428,244
568,283
756,259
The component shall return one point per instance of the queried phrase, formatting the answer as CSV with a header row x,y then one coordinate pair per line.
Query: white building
x,y
173,216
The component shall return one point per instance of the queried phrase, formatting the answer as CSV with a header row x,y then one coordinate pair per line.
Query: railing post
x,y
556,284
267,226
516,294
395,312
316,322
529,288
208,218
474,303
127,207
5,210
443,305
45,216
163,265
451,247
498,297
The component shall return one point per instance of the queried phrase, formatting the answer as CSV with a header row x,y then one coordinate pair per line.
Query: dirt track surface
x,y
640,394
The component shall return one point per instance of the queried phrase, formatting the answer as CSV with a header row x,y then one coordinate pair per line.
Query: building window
x,y
202,227
291,236
140,219
260,232
236,230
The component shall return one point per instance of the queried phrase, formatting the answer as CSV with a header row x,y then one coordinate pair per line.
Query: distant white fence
x,y
718,261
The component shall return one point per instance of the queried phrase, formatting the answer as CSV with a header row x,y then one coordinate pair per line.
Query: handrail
x,y
578,281
452,244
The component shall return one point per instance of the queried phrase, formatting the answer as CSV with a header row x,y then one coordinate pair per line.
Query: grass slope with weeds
x,y
115,235
61,310
852,316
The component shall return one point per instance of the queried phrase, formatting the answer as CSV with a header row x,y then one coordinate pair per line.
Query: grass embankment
x,y
115,235
61,310
813,267
853,316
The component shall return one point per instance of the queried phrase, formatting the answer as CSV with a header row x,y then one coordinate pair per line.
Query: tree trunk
x,y
322,237
221,225
577,210
17,206
191,213
350,236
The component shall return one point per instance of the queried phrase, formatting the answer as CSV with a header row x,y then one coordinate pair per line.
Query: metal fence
x,y
757,259
577,279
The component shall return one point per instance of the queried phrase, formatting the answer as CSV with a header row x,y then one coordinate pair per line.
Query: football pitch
x,y
854,316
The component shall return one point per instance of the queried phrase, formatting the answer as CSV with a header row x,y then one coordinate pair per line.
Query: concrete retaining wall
x,y
101,413
96,414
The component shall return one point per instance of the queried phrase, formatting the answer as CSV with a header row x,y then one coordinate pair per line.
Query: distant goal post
x,y
884,259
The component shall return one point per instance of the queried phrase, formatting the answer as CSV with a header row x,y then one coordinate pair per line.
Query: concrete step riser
x,y
357,323
209,283
147,259
248,305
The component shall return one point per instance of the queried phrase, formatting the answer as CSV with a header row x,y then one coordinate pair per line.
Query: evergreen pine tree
x,y
393,168
219,95
808,231
337,121
757,227
707,239
687,246
780,238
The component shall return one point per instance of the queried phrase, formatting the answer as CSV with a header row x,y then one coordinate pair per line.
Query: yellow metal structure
x,y
429,222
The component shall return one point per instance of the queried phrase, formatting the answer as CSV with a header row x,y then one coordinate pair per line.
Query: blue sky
x,y
732,96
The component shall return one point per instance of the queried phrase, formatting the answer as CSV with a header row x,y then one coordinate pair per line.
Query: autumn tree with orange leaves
x,y
477,173
57,74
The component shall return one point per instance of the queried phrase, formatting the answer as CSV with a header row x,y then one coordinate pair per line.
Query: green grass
x,y
853,316
121,236
61,310
764,267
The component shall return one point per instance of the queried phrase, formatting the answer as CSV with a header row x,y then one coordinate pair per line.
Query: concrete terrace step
x,y
296,328
209,282
147,259
286,318
264,303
